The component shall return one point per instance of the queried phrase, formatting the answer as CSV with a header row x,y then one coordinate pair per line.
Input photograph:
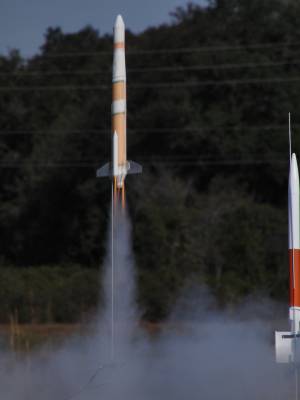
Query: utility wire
x,y
154,130
215,66
216,82
45,132
242,157
150,163
169,85
200,49
198,67
52,88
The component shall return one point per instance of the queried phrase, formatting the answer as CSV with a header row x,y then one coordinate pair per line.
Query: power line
x,y
254,46
200,49
230,82
170,85
45,132
101,131
56,73
195,162
166,159
52,88
215,66
197,67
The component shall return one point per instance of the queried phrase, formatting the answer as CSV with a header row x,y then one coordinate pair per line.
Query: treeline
x,y
48,294
208,99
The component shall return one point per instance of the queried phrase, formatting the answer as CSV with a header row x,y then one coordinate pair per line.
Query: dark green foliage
x,y
222,238
47,294
210,127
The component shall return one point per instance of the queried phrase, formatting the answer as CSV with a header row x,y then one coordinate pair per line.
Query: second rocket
x,y
287,343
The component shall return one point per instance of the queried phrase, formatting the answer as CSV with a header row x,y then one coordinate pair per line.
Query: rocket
x,y
119,166
287,344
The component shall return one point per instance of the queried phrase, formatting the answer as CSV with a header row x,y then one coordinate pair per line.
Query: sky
x,y
23,23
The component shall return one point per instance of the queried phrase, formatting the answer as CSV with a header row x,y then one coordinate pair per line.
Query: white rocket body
x,y
120,166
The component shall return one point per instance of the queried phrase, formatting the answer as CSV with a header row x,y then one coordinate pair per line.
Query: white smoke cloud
x,y
200,354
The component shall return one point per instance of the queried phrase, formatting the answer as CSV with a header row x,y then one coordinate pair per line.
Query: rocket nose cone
x,y
119,30
294,164
294,158
119,23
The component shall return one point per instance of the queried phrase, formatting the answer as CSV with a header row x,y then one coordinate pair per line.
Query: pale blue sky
x,y
24,22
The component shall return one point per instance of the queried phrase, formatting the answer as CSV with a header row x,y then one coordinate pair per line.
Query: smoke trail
x,y
201,353
119,284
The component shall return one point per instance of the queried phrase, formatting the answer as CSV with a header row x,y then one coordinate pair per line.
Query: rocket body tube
x,y
119,99
294,245
120,166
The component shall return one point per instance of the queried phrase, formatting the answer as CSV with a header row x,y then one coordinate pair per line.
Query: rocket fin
x,y
284,345
134,168
104,171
